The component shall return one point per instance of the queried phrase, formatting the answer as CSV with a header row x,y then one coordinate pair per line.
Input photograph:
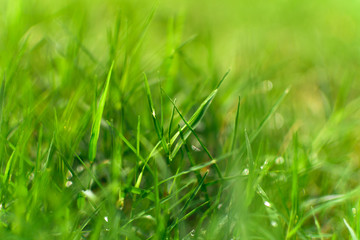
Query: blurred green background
x,y
54,58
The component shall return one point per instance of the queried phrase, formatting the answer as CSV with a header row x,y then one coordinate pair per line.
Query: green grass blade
x,y
95,130
294,190
252,175
351,231
196,118
157,126
267,117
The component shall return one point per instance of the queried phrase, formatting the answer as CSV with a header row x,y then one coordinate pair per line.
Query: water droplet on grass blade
x,y
266,203
89,194
68,183
268,85
279,160
80,168
245,172
274,223
193,147
68,175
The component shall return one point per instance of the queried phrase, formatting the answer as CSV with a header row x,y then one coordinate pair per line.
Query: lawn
x,y
134,119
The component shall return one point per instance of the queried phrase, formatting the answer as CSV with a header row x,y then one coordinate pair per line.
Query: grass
x,y
122,120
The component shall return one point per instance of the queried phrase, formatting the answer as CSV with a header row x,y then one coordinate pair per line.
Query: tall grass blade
x,y
95,130
195,119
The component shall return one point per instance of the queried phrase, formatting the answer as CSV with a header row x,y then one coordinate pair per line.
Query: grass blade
x,y
95,130
157,126
195,118
352,232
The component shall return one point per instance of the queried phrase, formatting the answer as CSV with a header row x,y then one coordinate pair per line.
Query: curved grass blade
x,y
95,130
195,118
196,136
352,232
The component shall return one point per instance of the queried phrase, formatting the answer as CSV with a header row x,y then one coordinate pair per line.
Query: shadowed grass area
x,y
122,120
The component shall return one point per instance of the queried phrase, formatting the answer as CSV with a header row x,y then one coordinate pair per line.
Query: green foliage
x,y
121,120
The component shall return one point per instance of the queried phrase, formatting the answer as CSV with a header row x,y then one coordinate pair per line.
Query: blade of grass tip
x,y
49,153
153,114
233,141
223,78
196,136
242,149
130,146
171,121
146,165
95,130
9,166
145,28
294,190
195,118
267,117
351,231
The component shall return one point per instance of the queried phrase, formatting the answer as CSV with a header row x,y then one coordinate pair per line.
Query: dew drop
x,y
266,203
245,172
274,223
68,183
268,85
79,168
68,174
279,160
106,219
194,148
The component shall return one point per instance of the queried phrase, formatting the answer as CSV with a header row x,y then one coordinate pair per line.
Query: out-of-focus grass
x,y
281,164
